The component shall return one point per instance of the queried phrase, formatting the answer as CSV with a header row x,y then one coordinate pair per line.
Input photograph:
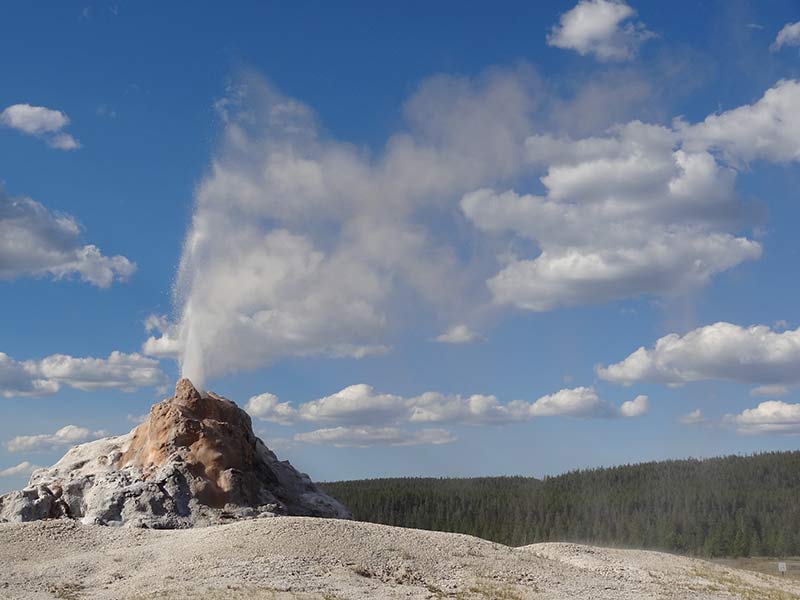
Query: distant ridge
x,y
728,506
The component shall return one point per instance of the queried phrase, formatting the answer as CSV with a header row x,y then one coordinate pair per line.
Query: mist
x,y
303,245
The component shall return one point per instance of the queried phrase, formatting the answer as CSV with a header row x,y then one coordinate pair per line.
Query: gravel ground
x,y
304,558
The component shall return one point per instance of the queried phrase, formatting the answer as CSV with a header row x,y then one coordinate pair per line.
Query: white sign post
x,y
782,568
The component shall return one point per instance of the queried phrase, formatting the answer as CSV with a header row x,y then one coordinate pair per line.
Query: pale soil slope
x,y
294,557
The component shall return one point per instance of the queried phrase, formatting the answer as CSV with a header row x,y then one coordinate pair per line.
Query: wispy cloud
x,y
789,35
694,417
66,436
364,437
23,468
458,334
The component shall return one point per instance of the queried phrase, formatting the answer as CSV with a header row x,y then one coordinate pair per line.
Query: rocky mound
x,y
194,461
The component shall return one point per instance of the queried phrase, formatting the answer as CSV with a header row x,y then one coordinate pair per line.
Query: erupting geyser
x,y
194,461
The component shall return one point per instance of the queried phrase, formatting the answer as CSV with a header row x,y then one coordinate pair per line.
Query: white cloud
x,y
772,416
458,334
22,379
768,129
478,409
634,408
23,468
583,402
33,120
165,344
602,28
66,436
63,141
624,215
363,437
36,242
641,210
694,417
267,407
126,372
41,122
361,406
789,35
155,322
756,355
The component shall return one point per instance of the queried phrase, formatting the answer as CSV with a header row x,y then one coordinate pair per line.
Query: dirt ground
x,y
303,558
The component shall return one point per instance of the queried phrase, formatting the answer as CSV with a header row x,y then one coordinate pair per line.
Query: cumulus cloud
x,y
66,436
644,209
477,409
583,402
163,344
624,215
362,406
602,28
772,416
363,437
35,241
23,468
694,417
789,35
23,379
126,372
42,122
305,245
769,129
458,334
634,408
267,407
755,355
358,403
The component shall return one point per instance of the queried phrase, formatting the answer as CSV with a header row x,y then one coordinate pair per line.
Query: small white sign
x,y
782,567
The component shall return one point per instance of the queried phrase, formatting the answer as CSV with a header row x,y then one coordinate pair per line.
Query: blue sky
x,y
358,180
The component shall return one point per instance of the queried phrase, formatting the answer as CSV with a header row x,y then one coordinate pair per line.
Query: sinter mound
x,y
194,461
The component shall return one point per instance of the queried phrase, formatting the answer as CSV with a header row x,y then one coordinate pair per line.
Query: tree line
x,y
730,506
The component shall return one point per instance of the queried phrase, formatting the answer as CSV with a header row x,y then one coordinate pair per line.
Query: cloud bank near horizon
x,y
363,416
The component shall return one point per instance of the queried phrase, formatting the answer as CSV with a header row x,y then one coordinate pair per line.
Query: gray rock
x,y
195,461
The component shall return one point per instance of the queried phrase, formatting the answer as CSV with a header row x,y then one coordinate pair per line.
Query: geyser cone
x,y
194,461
